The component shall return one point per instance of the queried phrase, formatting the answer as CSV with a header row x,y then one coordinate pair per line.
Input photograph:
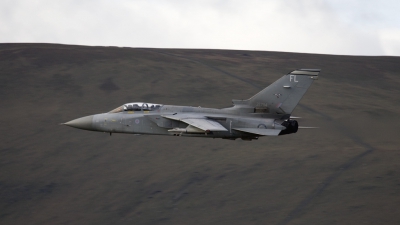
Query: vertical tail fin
x,y
282,96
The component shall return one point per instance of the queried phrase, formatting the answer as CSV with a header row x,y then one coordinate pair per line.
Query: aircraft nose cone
x,y
84,123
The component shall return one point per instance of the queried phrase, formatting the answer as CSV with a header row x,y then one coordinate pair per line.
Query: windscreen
x,y
137,106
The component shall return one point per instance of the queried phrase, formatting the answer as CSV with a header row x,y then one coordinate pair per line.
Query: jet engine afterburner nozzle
x,y
291,127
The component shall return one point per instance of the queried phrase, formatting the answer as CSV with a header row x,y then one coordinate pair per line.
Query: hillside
x,y
346,172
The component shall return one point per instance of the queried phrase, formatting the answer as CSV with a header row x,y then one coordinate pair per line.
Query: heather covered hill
x,y
346,172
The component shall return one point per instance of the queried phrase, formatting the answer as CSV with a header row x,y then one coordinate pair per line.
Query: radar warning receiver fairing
x,y
268,113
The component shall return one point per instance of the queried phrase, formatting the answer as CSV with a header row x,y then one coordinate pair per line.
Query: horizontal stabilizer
x,y
262,132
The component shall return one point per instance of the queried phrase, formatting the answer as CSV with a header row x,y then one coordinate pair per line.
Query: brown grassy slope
x,y
346,172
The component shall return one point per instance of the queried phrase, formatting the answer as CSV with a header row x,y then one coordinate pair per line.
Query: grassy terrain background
x,y
346,172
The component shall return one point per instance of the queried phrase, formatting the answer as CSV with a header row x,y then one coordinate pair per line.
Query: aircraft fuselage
x,y
154,122
265,114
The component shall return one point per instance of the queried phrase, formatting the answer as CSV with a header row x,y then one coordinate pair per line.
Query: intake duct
x,y
291,127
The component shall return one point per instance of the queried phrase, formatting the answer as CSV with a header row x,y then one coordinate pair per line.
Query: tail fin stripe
x,y
306,72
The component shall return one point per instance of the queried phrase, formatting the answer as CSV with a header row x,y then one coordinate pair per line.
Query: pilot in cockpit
x,y
136,106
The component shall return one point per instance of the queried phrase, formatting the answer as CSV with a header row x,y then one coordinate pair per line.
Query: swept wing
x,y
199,122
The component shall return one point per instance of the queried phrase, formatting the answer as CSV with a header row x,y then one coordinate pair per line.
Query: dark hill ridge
x,y
346,172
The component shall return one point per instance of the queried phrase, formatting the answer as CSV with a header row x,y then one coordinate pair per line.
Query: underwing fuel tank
x,y
188,129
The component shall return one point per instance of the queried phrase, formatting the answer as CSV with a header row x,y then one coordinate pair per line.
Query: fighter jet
x,y
268,113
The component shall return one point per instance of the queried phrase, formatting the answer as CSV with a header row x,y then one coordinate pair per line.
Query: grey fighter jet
x,y
268,113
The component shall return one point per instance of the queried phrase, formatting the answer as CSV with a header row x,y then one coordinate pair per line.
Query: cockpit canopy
x,y
137,106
